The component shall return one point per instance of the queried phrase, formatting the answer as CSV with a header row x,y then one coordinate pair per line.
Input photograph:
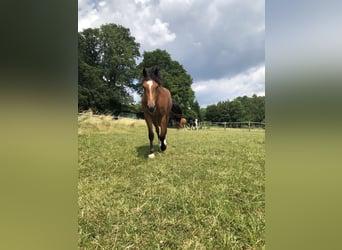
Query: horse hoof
x,y
163,147
151,155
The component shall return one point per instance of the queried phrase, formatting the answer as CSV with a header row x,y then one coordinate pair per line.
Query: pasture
x,y
206,191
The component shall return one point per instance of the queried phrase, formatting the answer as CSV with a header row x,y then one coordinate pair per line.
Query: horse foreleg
x,y
156,125
157,129
150,135
162,136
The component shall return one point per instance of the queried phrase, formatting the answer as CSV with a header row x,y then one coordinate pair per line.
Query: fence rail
x,y
247,124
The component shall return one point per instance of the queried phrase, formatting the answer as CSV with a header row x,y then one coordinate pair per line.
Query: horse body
x,y
182,123
157,105
159,117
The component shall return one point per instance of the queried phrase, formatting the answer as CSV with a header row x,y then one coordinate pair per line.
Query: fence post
x,y
249,126
225,125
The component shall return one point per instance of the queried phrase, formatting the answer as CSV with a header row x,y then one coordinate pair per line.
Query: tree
x,y
175,78
197,110
212,113
89,70
236,111
258,108
203,116
106,68
241,109
224,111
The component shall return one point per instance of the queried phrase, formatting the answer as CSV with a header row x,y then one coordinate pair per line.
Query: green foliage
x,y
106,68
176,79
107,73
212,113
206,191
239,110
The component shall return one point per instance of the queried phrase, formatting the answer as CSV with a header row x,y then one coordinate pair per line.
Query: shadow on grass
x,y
144,150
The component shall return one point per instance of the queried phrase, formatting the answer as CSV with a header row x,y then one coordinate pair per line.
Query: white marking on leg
x,y
151,155
159,143
164,141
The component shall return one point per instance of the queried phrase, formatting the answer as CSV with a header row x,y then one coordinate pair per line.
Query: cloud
x,y
159,34
246,83
148,28
216,41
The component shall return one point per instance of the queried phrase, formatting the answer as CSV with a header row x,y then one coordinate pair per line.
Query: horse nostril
x,y
152,109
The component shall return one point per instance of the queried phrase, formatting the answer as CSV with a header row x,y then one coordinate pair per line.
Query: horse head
x,y
151,83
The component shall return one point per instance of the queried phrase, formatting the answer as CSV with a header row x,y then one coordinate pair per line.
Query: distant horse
x,y
182,123
157,106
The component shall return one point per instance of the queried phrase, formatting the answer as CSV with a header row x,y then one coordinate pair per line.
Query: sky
x,y
220,43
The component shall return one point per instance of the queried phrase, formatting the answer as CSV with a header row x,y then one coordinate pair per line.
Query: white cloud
x,y
158,34
91,17
139,16
246,83
200,87
220,43
141,1
102,3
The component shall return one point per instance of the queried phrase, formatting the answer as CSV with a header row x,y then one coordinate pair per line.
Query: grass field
x,y
206,191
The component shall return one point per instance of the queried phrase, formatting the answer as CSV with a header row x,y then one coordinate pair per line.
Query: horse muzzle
x,y
151,109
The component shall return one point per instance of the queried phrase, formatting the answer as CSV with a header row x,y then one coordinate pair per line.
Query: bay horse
x,y
158,106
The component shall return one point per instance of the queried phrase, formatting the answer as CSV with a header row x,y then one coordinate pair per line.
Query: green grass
x,y
206,191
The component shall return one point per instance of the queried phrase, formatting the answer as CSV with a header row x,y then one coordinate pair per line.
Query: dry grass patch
x,y
90,123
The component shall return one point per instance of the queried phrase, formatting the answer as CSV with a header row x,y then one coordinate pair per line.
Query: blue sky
x,y
220,43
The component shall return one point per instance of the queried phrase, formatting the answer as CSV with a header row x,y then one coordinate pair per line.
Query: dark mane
x,y
153,74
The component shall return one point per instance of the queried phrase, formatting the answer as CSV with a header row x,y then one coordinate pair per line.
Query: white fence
x,y
247,125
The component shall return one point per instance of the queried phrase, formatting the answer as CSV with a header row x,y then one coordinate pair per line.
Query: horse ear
x,y
144,72
156,71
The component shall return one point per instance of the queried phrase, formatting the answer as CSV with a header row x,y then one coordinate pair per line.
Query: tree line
x,y
108,75
241,109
